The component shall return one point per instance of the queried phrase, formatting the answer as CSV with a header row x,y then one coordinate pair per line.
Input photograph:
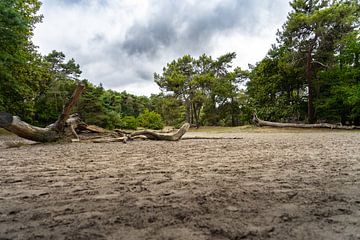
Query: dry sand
x,y
285,185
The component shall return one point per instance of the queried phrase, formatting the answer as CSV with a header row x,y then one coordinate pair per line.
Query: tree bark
x,y
309,78
260,123
196,114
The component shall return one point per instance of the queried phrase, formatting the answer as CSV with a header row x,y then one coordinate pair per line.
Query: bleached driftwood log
x,y
63,128
260,123
163,136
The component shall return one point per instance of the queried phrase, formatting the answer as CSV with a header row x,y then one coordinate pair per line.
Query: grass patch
x,y
4,132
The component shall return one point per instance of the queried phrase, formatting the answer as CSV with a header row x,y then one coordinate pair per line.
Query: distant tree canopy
x,y
311,74
20,65
207,88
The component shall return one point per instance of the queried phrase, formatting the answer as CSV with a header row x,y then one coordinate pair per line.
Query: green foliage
x,y
206,88
169,107
91,108
129,122
313,72
108,120
110,109
56,87
17,20
312,32
151,120
276,89
50,103
338,100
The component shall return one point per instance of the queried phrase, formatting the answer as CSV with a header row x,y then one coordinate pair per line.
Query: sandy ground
x,y
285,185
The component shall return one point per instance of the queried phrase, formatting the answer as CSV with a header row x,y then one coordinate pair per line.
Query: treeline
x,y
311,74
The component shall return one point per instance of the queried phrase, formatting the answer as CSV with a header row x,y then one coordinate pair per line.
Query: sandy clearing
x,y
286,185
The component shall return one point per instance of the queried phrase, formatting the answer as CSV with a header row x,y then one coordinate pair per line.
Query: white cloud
x,y
121,43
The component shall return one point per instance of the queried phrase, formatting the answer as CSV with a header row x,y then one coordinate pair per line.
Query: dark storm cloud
x,y
184,28
204,25
191,28
148,39
143,74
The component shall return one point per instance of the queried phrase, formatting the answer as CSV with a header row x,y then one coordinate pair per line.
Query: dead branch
x,y
60,123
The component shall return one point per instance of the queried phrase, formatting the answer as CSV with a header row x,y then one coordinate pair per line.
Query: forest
x,y
310,74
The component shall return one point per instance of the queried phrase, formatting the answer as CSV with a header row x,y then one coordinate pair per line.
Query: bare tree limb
x,y
320,63
60,123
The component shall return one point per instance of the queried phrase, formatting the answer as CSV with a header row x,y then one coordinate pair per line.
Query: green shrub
x,y
114,120
129,122
98,119
151,120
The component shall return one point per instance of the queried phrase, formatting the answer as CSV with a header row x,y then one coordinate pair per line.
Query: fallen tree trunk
x,y
22,129
260,123
70,127
63,128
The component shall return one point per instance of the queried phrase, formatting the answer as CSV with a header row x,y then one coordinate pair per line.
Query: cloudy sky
x,y
121,43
